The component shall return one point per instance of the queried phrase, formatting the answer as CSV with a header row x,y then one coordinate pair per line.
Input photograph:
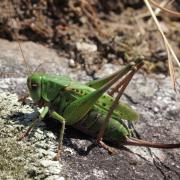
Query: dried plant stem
x,y
165,9
169,49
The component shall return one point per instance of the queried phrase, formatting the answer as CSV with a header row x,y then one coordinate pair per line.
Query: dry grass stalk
x,y
170,52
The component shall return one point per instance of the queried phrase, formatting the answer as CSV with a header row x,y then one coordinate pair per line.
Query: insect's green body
x,y
88,107
58,92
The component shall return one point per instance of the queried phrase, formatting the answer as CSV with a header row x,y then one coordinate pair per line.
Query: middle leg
x,y
58,117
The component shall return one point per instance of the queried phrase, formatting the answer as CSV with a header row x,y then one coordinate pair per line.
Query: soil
x,y
119,29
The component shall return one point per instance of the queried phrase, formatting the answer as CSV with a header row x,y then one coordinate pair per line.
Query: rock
x,y
83,46
72,63
54,177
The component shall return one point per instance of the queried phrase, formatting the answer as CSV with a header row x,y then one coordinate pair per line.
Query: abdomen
x,y
92,122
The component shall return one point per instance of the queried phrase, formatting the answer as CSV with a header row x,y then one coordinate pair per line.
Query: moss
x,y
12,160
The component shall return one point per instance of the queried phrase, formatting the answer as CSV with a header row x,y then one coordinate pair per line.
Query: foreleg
x,y
41,117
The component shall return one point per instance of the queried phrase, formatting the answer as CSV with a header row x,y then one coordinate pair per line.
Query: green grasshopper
x,y
89,108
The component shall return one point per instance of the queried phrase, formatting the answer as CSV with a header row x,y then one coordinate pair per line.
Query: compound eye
x,y
34,86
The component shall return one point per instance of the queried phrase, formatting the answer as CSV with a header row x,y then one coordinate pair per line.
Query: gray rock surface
x,y
151,96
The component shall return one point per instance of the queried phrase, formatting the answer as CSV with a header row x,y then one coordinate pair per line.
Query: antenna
x,y
19,44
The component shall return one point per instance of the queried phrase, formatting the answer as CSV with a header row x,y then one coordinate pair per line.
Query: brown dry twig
x,y
173,13
170,52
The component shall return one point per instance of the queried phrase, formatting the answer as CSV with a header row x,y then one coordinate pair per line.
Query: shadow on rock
x,y
54,126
